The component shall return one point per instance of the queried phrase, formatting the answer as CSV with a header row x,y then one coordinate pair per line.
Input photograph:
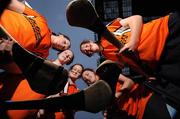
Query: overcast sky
x,y
54,12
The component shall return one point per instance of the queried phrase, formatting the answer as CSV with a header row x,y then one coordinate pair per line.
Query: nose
x,y
87,49
63,47
67,56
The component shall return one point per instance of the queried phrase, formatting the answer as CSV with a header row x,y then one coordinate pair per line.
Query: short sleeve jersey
x,y
152,39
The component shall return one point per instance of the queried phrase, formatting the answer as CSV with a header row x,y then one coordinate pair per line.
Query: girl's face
x,y
75,72
89,77
89,48
60,42
65,56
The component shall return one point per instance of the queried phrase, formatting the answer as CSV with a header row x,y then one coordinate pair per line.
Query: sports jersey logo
x,y
36,29
123,34
121,31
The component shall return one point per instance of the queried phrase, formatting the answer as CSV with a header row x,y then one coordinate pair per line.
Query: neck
x,y
97,77
52,37
57,62
100,47
72,80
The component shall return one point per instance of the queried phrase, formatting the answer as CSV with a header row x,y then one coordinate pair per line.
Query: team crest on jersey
x,y
123,34
121,31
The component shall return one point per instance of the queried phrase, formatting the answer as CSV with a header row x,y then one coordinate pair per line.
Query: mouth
x,y
89,52
89,82
74,73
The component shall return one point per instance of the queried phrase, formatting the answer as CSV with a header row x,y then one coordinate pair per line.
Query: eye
x,y
79,71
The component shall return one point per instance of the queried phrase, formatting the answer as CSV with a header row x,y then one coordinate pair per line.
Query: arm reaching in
x,y
6,61
127,84
135,23
16,6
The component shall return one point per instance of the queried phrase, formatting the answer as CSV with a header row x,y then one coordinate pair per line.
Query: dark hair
x,y
3,5
61,34
55,34
84,42
77,64
87,69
